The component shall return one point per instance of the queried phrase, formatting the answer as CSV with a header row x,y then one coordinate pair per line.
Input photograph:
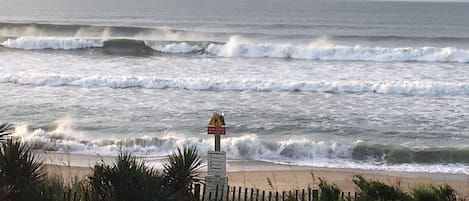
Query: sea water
x,y
362,84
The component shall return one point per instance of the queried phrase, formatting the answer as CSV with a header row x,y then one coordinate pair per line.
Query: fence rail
x,y
232,193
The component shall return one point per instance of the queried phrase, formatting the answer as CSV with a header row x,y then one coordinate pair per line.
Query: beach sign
x,y
216,160
211,184
217,125
216,163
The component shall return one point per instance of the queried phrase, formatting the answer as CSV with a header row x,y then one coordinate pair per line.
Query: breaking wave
x,y
138,46
206,84
236,47
250,147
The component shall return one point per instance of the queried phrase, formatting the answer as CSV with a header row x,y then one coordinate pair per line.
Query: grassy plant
x,y
290,196
432,193
181,170
329,192
20,170
375,190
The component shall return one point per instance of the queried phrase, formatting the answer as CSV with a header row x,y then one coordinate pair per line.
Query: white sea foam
x,y
336,86
33,43
176,48
236,47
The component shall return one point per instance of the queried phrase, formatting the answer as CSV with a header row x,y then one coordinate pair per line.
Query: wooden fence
x,y
251,194
229,194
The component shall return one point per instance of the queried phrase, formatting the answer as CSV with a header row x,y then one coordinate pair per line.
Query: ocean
x,y
345,84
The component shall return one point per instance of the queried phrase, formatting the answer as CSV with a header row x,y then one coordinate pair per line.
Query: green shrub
x,y
181,170
374,190
329,192
126,180
432,193
20,170
53,188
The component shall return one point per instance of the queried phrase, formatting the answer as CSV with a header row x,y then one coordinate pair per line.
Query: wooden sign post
x,y
216,182
217,127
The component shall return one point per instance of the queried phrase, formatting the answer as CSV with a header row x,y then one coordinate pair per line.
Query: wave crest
x,y
236,47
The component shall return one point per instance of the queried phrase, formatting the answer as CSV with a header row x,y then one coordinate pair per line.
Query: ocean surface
x,y
345,84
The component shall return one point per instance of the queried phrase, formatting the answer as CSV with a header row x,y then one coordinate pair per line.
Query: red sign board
x,y
218,130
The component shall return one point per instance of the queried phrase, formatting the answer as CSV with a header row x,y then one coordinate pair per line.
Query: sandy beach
x,y
255,174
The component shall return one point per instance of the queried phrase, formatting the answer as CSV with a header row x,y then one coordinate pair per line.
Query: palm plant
x,y
5,192
181,170
126,180
20,170
5,129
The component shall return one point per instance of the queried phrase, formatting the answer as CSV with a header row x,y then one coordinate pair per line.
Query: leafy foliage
x,y
375,190
329,192
54,188
181,170
5,192
5,129
20,170
126,180
432,193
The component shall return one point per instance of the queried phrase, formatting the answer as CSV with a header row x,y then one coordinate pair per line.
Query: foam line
x,y
198,84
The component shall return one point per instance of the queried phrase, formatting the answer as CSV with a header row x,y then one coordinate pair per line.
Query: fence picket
x,y
228,193
234,193
245,194
203,193
222,192
252,192
315,195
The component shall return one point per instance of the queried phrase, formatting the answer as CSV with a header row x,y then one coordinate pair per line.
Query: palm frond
x,y
19,168
182,169
5,129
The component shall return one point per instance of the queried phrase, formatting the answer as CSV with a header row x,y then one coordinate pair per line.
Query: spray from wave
x,y
29,43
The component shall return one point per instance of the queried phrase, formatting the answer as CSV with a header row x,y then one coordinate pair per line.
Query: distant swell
x,y
205,84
